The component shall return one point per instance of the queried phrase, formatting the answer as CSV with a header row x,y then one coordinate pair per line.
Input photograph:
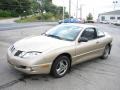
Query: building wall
x,y
109,18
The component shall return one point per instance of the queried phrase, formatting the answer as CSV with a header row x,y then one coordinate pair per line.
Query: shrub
x,y
47,16
14,14
5,13
39,17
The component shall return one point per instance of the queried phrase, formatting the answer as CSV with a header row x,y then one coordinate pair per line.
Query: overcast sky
x,y
93,6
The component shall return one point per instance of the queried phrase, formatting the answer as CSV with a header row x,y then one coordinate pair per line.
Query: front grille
x,y
22,67
12,49
18,53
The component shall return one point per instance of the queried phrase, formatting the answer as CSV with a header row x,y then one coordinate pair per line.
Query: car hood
x,y
40,43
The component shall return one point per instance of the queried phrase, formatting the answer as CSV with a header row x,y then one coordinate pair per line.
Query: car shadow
x,y
47,77
25,78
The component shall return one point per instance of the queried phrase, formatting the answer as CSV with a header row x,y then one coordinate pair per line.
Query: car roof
x,y
80,25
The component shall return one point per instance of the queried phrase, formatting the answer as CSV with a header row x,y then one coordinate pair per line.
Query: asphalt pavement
x,y
95,74
12,25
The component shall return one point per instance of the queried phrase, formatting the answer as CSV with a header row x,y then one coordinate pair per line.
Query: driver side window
x,y
89,33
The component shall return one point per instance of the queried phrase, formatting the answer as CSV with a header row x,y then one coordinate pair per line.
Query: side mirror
x,y
82,39
42,33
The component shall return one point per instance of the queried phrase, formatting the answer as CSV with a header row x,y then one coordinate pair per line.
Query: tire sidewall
x,y
55,63
103,56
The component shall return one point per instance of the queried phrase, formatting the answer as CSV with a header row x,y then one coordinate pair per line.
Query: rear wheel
x,y
106,52
60,66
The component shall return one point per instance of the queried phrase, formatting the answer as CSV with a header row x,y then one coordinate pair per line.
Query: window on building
x,y
103,18
112,18
118,18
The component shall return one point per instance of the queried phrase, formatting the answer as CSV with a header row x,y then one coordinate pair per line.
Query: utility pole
x,y
69,8
80,11
77,10
81,7
63,11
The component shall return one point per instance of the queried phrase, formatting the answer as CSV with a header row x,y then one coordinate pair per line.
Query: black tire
x,y
106,52
56,66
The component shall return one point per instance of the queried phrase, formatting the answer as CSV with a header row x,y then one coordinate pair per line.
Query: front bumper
x,y
19,65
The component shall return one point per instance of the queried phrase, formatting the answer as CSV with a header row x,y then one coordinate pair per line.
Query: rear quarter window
x,y
100,33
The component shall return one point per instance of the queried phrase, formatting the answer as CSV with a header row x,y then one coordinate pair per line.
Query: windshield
x,y
64,32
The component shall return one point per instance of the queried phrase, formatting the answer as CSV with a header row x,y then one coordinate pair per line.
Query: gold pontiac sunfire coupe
x,y
58,49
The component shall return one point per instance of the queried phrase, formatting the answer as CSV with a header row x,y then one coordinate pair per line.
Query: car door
x,y
102,40
89,49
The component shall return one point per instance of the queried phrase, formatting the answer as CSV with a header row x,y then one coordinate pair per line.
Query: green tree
x,y
18,7
24,7
89,17
35,7
27,7
66,15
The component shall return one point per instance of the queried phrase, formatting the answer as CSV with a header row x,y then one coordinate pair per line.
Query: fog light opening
x,y
31,69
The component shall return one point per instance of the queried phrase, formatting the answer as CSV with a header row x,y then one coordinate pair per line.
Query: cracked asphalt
x,y
95,74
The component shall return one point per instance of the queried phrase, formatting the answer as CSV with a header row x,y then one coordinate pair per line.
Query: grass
x,y
27,19
35,18
2,18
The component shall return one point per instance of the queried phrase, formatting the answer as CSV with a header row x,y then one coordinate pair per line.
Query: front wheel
x,y
60,66
106,52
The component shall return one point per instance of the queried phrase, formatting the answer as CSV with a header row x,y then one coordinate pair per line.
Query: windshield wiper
x,y
54,36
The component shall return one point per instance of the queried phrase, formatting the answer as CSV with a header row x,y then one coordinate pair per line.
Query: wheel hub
x,y
62,67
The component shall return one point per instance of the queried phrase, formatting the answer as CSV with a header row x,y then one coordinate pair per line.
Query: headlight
x,y
29,54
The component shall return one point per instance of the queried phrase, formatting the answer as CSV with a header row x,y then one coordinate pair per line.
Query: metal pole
x,y
80,11
77,9
69,8
63,11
